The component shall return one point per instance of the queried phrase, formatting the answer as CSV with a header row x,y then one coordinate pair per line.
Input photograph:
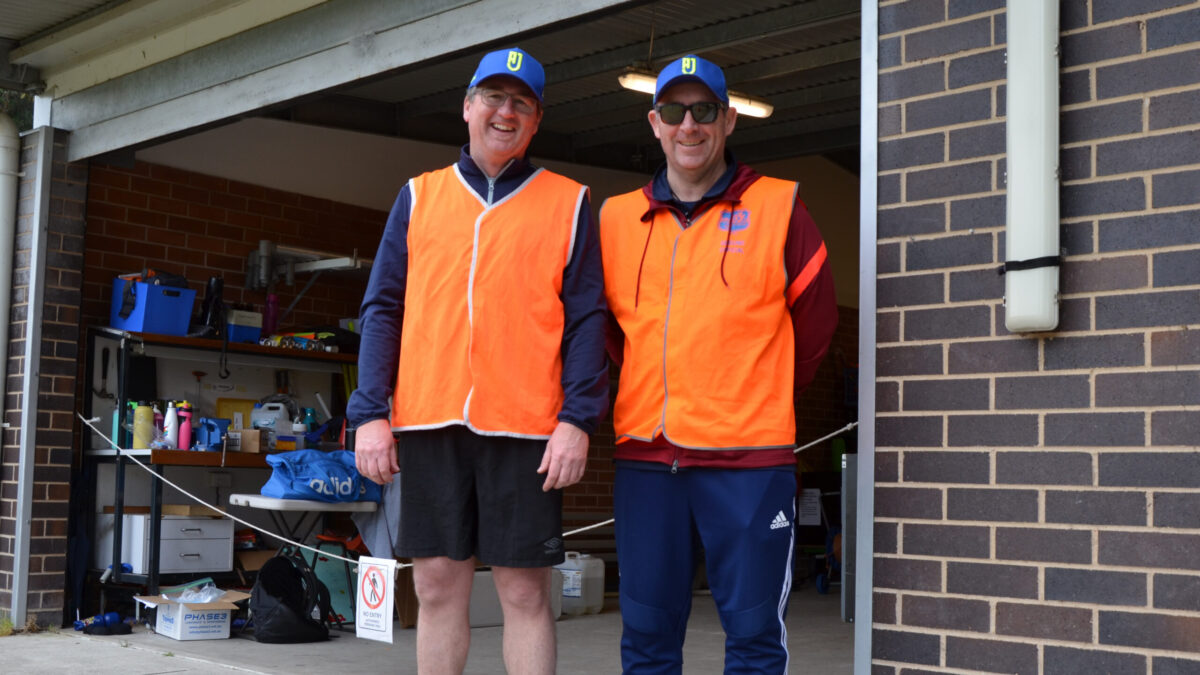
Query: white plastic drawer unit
x,y
187,544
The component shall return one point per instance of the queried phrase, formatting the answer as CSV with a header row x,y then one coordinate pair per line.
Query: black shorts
x,y
463,495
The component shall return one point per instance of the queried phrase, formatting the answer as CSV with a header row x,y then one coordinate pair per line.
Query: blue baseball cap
x,y
513,63
692,68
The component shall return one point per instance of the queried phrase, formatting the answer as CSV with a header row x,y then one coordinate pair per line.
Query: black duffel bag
x,y
288,603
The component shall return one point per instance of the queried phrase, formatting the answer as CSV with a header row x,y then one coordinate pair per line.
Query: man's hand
x,y
565,458
375,451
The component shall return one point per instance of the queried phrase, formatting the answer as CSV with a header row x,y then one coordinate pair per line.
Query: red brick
x,y
199,242
150,218
108,178
264,208
228,201
170,238
246,190
246,221
224,231
150,186
134,199
211,183
100,209
225,262
281,197
184,255
205,212
169,206
187,225
169,173
189,194
146,250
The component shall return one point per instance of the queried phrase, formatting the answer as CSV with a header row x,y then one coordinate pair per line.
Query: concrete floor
x,y
818,640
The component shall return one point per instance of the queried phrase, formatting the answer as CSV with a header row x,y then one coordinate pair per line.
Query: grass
x,y
6,625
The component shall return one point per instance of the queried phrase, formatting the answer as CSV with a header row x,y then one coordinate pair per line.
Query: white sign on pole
x,y
810,507
373,607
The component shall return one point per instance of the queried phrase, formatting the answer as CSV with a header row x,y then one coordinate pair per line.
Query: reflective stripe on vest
x,y
483,321
706,365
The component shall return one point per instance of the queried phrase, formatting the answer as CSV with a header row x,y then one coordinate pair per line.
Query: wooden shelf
x,y
234,347
241,460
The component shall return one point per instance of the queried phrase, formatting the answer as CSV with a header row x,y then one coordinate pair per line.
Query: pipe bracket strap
x,y
1031,264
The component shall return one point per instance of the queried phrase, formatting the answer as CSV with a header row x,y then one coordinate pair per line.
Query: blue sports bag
x,y
318,476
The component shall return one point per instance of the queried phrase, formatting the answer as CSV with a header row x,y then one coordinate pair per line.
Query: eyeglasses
x,y
703,112
494,98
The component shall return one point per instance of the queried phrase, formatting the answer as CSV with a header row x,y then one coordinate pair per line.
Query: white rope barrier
x,y
198,500
152,472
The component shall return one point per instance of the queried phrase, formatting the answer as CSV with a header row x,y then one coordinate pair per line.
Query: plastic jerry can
x,y
583,584
273,417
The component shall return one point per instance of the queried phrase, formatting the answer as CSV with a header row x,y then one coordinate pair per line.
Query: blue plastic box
x,y
243,326
165,310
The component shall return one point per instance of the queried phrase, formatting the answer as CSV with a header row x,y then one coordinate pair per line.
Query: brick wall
x,y
58,354
199,226
1036,505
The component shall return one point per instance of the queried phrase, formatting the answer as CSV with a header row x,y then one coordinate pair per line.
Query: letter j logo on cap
x,y
514,61
689,65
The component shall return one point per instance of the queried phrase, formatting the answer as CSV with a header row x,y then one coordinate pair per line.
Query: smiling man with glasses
x,y
722,306
483,343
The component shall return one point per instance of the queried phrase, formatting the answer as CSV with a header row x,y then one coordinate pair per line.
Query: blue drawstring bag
x,y
318,476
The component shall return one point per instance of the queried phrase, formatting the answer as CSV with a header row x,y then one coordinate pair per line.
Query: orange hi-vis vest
x,y
481,343
706,365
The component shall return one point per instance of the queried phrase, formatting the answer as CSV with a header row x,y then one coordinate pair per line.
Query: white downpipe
x,y
1031,294
868,238
10,167
40,216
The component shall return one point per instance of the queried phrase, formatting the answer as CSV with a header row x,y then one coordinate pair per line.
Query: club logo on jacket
x,y
734,221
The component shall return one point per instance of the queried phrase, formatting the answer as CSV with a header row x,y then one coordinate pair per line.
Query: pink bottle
x,y
270,314
185,425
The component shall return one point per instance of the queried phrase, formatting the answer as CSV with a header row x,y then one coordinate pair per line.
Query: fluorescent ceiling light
x,y
639,80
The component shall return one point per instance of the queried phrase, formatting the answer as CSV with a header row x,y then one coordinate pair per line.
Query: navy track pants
x,y
744,519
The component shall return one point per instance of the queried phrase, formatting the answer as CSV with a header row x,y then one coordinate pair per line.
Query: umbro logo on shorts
x,y
552,545
780,521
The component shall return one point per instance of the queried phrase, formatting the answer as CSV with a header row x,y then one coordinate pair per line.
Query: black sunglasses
x,y
703,112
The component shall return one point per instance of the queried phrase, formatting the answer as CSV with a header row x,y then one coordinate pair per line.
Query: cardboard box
x,y
157,309
193,621
246,440
253,560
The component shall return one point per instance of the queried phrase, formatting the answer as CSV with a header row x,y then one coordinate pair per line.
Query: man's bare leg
x,y
529,639
443,621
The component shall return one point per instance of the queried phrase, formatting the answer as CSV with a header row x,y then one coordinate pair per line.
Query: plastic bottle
x,y
185,425
310,419
298,430
143,426
106,619
583,584
116,426
273,417
171,425
270,314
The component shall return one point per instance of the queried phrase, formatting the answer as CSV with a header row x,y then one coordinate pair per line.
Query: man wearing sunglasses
x,y
483,332
722,307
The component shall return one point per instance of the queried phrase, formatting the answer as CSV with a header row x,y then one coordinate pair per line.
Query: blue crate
x,y
158,309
